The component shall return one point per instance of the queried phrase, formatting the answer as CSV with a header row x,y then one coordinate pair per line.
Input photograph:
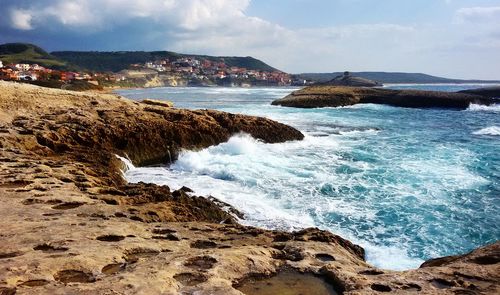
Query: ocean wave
x,y
492,130
495,108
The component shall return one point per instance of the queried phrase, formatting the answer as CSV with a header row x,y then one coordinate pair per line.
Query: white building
x,y
1,64
23,67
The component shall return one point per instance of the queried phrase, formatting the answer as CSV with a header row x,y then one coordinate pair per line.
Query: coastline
x,y
86,229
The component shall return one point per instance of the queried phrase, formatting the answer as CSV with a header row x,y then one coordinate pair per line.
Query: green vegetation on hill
x,y
28,53
120,60
385,77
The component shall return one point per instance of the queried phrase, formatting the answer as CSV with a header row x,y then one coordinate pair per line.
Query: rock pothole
x,y
488,259
201,262
110,238
371,272
15,184
442,283
34,283
133,255
163,231
47,248
190,279
324,257
74,276
7,291
5,255
289,281
168,237
380,288
68,205
203,244
113,268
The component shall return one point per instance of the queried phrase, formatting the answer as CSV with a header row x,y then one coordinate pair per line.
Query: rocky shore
x,y
336,96
72,225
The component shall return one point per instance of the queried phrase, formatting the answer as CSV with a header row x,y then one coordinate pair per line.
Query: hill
x,y
388,78
29,53
119,60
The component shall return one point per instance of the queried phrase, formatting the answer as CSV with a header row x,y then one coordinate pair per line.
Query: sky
x,y
450,38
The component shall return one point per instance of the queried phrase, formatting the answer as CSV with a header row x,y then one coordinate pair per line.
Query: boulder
x,y
348,80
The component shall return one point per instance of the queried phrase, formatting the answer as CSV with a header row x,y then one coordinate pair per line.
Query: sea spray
x,y
495,108
492,130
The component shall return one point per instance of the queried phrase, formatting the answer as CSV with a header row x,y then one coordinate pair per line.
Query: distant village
x,y
34,72
194,71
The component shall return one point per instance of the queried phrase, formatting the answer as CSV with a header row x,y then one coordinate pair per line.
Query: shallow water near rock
x,y
406,184
288,283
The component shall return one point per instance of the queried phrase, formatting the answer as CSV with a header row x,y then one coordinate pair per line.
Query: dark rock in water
x,y
335,96
493,91
347,80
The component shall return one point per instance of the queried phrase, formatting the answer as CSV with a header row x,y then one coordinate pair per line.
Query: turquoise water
x,y
406,184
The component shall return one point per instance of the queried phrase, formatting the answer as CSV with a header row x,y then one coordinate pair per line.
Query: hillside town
x,y
192,71
207,70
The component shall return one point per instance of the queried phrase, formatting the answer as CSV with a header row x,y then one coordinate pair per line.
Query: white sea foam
x,y
494,108
492,130
278,186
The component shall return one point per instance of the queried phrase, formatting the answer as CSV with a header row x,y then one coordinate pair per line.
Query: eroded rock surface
x,y
71,225
336,96
492,91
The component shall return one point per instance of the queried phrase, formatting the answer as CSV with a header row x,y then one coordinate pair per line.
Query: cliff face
x,y
335,96
71,225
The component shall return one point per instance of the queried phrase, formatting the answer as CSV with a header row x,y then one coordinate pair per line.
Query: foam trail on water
x,y
492,130
289,186
495,108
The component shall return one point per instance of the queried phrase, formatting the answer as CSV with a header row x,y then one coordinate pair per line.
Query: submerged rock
x,y
336,96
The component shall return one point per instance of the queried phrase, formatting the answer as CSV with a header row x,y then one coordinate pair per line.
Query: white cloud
x,y
186,14
21,19
223,27
478,15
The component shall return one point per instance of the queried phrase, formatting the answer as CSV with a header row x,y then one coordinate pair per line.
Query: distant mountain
x,y
387,78
29,53
120,60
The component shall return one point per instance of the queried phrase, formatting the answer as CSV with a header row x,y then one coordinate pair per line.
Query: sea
x,y
406,184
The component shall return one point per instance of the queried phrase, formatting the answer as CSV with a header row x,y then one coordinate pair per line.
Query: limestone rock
x,y
335,96
161,103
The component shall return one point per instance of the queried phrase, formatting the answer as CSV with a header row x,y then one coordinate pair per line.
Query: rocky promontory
x,y
72,225
336,96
